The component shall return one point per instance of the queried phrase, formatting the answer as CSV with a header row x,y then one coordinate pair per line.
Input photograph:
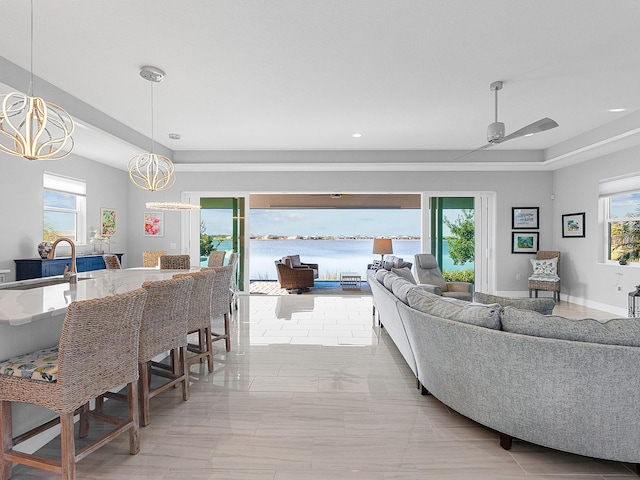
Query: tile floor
x,y
313,390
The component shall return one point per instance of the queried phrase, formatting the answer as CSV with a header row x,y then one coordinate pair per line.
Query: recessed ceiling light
x,y
617,110
529,135
356,135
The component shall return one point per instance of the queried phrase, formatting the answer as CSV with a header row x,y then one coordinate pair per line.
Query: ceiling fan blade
x,y
535,127
474,151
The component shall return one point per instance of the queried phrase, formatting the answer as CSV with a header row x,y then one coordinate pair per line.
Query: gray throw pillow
x,y
404,273
617,331
400,288
487,316
540,305
388,279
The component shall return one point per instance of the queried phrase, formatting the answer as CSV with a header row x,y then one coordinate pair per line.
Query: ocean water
x,y
332,256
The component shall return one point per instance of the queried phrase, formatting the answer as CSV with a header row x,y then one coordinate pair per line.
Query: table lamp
x,y
382,246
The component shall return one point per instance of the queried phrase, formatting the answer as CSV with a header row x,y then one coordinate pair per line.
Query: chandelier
x,y
33,128
151,171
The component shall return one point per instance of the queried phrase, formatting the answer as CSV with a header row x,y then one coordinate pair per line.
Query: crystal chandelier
x,y
33,128
151,171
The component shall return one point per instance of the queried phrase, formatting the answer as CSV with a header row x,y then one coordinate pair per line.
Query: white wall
x,y
585,278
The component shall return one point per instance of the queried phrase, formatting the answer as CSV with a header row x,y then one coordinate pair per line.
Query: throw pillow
x,y
545,269
380,274
487,316
400,288
617,331
540,305
404,273
388,279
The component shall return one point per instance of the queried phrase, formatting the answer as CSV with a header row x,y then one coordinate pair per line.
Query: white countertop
x,y
19,307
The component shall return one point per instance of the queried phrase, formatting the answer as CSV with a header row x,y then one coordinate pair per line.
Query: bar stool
x,y
220,301
112,262
164,328
66,377
200,315
216,258
233,261
150,258
175,262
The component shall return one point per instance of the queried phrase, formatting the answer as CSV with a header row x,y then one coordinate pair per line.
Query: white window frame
x,y
611,188
73,186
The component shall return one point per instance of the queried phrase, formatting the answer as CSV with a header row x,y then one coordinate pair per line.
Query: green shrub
x,y
459,275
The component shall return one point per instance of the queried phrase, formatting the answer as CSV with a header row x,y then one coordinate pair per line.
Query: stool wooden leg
x,y
143,369
6,438
185,369
84,421
67,447
209,343
133,414
227,341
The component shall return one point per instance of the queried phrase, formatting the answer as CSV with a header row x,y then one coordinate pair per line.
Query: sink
x,y
29,284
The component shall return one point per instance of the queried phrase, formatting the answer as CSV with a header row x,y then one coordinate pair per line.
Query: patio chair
x,y
290,278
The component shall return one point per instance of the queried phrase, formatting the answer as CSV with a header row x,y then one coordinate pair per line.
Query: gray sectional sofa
x,y
571,385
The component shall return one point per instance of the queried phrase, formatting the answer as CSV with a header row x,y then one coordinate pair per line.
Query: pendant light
x,y
151,171
31,127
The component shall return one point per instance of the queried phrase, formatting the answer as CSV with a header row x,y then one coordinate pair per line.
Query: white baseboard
x,y
621,312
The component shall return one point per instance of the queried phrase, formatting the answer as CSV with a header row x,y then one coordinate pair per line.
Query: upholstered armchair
x,y
428,272
299,278
293,261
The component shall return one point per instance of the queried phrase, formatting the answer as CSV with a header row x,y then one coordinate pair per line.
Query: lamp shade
x,y
382,246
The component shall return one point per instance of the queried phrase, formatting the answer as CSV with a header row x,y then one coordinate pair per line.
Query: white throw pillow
x,y
545,268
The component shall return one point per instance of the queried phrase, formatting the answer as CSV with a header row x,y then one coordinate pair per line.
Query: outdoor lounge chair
x,y
299,278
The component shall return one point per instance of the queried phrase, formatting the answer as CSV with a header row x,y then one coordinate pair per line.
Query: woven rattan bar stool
x,y
163,328
200,316
220,301
65,378
111,262
233,261
175,262
216,258
150,258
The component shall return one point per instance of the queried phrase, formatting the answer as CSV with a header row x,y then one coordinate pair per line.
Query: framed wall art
x,y
153,224
524,242
573,225
108,222
525,218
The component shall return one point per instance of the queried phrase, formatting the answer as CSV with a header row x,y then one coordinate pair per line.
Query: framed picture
x,y
108,222
573,225
524,217
154,224
524,242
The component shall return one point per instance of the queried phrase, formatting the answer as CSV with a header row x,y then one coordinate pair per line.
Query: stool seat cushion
x,y
41,365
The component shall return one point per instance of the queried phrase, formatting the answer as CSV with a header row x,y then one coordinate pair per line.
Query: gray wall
x,y
585,279
21,200
585,276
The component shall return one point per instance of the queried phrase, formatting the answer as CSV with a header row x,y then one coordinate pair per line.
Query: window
x,y
64,212
621,206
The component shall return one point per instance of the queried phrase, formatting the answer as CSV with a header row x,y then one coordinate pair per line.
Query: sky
x,y
366,222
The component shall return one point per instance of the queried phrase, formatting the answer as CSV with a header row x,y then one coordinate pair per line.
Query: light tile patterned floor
x,y
313,390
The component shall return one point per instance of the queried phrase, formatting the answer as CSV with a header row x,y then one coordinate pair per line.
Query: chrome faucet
x,y
69,273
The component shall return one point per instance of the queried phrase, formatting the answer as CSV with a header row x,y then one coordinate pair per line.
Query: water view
x,y
332,256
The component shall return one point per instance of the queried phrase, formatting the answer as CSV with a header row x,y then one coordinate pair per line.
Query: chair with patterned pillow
x,y
66,377
546,267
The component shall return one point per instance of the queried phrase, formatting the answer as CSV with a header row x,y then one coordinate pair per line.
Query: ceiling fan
x,y
495,130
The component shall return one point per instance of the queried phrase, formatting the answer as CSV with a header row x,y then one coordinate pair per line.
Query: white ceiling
x,y
305,74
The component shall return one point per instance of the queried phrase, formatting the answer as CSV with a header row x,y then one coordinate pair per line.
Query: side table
x,y
350,280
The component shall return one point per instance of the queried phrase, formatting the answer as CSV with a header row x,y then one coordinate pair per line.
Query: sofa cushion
x,y
400,288
453,309
404,273
541,305
380,274
388,280
617,331
41,365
